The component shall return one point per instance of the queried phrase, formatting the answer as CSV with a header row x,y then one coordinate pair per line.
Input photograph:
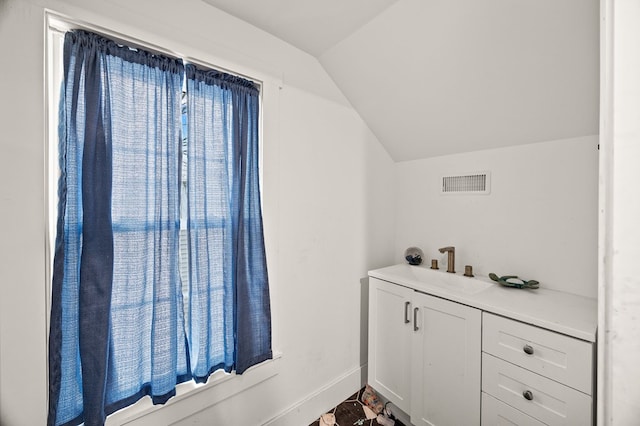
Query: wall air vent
x,y
471,183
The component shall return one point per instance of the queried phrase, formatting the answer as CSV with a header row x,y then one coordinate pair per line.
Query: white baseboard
x,y
308,409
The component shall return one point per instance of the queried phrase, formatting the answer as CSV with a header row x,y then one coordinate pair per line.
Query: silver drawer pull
x,y
527,395
528,349
406,312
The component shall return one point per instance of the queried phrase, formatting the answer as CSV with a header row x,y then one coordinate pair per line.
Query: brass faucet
x,y
451,258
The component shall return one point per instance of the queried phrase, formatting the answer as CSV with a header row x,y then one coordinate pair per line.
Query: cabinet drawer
x,y
550,402
553,355
497,413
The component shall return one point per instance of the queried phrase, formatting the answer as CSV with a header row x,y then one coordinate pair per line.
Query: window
x,y
146,140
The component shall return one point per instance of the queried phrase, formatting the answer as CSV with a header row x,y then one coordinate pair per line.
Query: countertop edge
x,y
543,310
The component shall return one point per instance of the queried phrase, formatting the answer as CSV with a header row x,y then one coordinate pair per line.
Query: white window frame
x,y
220,385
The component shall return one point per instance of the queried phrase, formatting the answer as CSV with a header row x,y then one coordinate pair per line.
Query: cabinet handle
x,y
406,312
415,319
527,395
528,349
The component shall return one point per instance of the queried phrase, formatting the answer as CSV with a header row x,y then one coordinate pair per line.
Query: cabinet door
x,y
446,363
390,341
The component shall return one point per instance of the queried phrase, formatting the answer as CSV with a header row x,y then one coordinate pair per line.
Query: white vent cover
x,y
471,183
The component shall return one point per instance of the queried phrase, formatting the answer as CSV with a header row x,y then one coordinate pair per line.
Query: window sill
x,y
192,397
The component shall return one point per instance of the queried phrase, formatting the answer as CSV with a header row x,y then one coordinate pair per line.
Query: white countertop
x,y
565,313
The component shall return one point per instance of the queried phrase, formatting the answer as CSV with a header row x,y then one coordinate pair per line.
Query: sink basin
x,y
448,281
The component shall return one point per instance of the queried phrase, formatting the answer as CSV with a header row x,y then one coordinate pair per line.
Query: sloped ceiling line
x,y
481,75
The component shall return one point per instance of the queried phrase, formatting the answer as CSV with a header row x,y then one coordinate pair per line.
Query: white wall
x,y
538,222
619,286
328,208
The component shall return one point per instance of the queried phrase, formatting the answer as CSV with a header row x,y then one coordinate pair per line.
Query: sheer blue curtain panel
x,y
228,273
117,326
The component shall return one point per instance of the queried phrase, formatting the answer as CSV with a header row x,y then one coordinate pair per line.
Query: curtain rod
x,y
61,24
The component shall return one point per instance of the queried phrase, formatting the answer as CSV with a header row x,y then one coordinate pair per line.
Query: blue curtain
x,y
230,325
121,327
117,327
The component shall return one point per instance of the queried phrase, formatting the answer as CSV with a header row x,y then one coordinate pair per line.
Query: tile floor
x,y
350,413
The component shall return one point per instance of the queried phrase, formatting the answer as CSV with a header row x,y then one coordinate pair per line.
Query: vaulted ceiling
x,y
437,77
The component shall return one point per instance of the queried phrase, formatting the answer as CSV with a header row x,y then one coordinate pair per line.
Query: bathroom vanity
x,y
452,350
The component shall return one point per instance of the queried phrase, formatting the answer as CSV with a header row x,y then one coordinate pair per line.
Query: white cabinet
x,y
390,331
539,375
424,354
446,363
452,354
